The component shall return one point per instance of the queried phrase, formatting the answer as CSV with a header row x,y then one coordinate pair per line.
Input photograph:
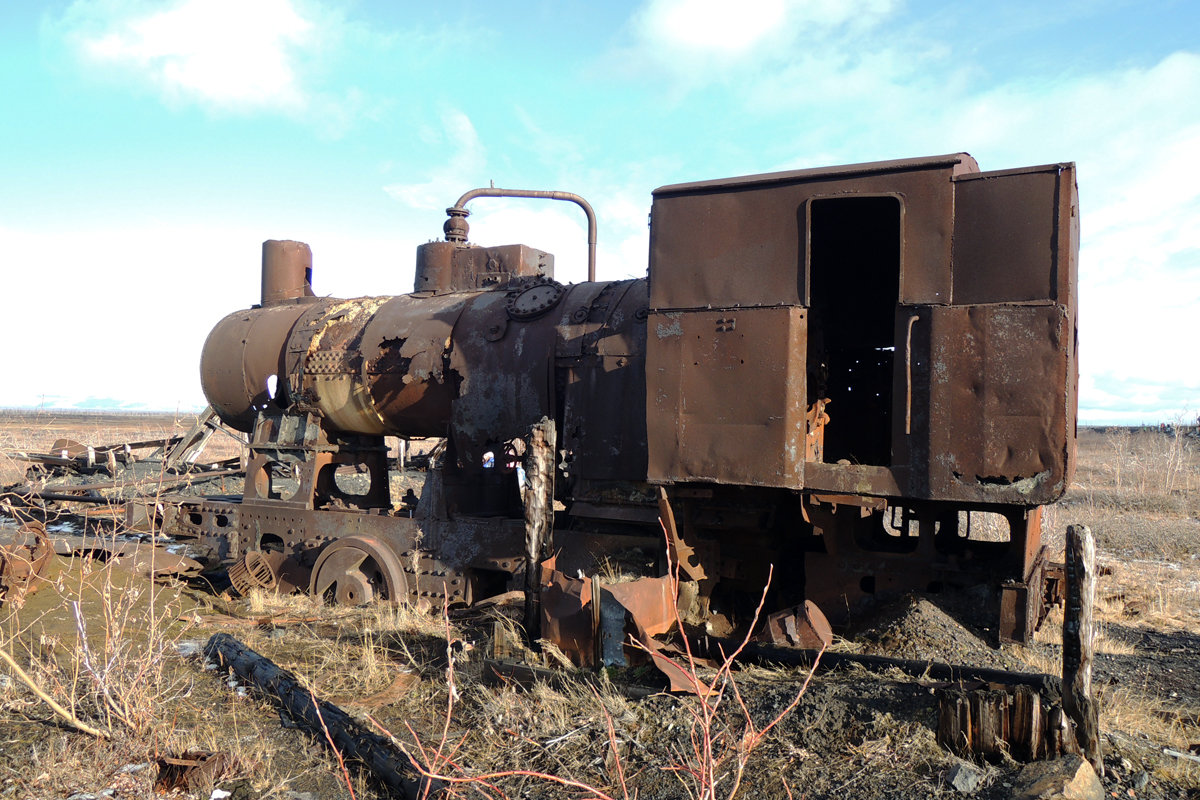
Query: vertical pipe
x,y
456,225
908,376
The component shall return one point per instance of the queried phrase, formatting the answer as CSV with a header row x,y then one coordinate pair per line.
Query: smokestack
x,y
286,271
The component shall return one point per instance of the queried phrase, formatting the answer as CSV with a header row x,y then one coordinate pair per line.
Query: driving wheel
x,y
358,570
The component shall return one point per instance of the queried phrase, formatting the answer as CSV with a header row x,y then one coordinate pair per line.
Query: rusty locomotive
x,y
862,377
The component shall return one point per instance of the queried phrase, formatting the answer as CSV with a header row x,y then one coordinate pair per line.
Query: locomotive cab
x,y
893,341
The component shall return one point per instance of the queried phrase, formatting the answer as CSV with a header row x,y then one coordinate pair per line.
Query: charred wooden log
x,y
354,742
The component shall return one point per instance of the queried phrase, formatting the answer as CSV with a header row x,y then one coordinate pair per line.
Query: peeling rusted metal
x,y
190,771
597,623
684,553
568,615
803,626
680,668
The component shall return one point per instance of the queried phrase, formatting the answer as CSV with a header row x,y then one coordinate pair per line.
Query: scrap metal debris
x,y
190,771
102,518
599,624
23,562
802,626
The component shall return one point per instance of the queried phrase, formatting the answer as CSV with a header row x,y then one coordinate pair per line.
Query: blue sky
x,y
148,148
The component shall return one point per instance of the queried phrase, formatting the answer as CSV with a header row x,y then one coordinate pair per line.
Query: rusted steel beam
x,y
370,750
186,451
61,497
65,452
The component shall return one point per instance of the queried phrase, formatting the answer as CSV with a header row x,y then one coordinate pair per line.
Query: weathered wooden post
x,y
1079,636
539,517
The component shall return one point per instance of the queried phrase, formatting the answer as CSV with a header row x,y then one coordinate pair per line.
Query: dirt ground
x,y
120,654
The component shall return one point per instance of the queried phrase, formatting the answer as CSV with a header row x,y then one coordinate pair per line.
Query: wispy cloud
x,y
709,26
230,54
457,148
700,41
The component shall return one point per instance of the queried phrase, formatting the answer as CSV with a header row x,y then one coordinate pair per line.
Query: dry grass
x,y
1139,492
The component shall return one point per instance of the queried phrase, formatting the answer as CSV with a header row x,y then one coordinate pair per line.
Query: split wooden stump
x,y
1028,722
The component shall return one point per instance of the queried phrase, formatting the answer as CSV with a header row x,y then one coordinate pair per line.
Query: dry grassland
x,y
117,653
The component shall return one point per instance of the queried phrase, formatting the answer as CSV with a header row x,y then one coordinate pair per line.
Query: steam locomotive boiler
x,y
861,377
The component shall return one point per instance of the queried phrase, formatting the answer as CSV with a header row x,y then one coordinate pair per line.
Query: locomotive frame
x,y
832,373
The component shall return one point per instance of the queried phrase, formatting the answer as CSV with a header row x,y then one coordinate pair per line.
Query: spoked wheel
x,y
358,570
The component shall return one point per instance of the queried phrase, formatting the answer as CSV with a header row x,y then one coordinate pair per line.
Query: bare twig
x,y
98,677
67,716
329,738
612,744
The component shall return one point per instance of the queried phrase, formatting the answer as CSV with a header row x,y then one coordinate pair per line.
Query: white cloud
x,y
238,54
710,25
462,165
701,40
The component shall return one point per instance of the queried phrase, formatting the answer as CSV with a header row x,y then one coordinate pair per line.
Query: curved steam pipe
x,y
456,225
